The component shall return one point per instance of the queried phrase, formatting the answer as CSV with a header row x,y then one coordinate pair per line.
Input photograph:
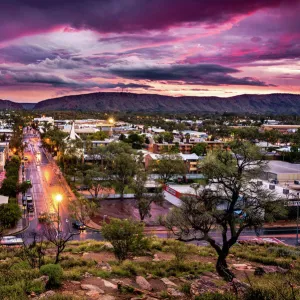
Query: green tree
x,y
9,187
199,149
98,136
9,214
96,180
144,199
168,166
123,168
23,187
136,140
81,209
247,204
126,236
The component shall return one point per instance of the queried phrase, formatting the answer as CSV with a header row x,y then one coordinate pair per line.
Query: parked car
x,y
82,188
11,241
296,181
30,207
29,198
78,225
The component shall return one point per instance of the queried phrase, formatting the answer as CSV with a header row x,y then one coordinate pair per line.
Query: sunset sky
x,y
51,48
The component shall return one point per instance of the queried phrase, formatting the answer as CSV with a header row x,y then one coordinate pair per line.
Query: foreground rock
x,y
143,283
175,293
203,285
47,294
168,282
91,287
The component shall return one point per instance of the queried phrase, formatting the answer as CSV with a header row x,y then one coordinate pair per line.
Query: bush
x,y
126,236
55,273
10,214
179,249
37,287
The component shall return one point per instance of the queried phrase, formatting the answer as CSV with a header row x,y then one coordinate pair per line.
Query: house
x,y
191,161
165,147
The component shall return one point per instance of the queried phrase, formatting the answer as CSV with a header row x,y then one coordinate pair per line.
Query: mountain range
x,y
130,102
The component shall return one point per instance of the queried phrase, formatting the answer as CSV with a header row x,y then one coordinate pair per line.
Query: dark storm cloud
x,y
30,54
21,17
16,78
201,74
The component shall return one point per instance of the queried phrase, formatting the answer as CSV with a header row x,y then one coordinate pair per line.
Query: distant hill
x,y
272,103
28,106
129,102
7,104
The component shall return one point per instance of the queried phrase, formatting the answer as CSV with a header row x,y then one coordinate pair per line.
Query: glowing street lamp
x,y
111,121
58,198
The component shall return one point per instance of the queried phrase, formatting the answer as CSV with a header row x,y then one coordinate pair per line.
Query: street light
x,y
111,120
58,199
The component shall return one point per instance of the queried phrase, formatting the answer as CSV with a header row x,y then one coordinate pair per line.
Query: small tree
x,y
199,149
96,182
34,253
144,200
81,209
23,187
168,166
123,169
58,239
126,236
232,202
9,214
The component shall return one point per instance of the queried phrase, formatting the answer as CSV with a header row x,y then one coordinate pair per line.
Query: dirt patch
x,y
124,209
99,257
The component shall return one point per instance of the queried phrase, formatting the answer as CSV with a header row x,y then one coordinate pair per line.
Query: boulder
x,y
92,295
109,284
106,297
104,266
143,283
155,257
168,282
174,293
239,286
91,287
87,275
47,295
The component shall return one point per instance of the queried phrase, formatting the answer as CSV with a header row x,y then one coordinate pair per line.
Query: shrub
x,y
186,288
13,292
126,236
37,287
55,274
179,250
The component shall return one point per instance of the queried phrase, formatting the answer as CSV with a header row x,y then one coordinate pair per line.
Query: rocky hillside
x,y
272,103
6,104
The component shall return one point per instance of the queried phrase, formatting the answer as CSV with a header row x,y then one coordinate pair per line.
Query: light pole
x,y
58,199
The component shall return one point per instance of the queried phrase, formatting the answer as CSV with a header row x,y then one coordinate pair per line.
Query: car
x,y
11,240
29,198
28,181
296,181
30,207
78,225
82,188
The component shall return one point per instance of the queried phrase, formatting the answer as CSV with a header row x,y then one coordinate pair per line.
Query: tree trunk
x,y
222,268
57,256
